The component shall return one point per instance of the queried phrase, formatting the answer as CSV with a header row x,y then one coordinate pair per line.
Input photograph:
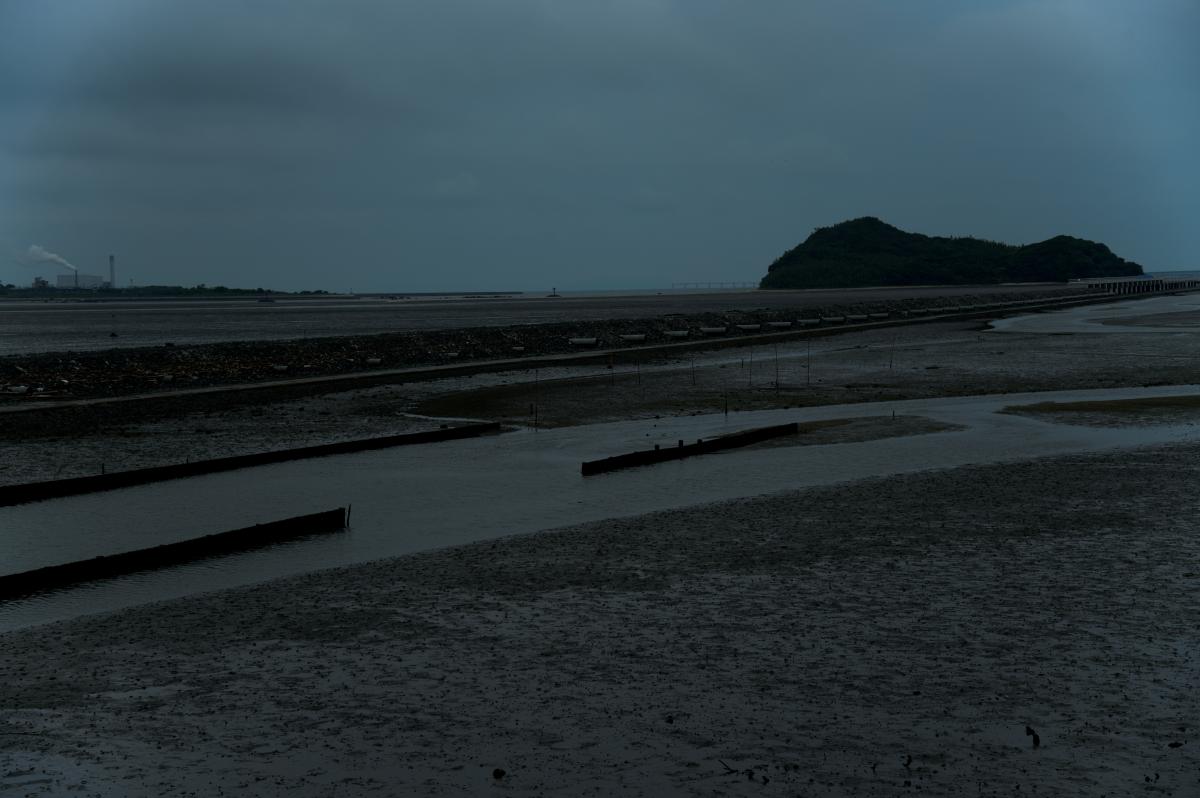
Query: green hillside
x,y
867,252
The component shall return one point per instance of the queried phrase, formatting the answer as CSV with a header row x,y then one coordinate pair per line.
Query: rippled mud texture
x,y
863,640
89,441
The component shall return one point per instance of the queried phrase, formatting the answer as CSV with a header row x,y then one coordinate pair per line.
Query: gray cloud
x,y
466,143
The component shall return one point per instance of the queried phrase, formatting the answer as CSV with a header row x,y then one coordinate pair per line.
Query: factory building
x,y
77,280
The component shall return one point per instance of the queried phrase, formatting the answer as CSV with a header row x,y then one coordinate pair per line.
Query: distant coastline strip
x,y
55,577
658,455
53,489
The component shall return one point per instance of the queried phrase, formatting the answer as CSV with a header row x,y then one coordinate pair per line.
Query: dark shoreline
x,y
119,372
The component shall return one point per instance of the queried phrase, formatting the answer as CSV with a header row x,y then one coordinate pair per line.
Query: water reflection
x,y
422,497
1091,318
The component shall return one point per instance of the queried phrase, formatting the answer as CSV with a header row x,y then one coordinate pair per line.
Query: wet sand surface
x,y
923,361
35,326
1028,626
877,638
1183,408
1182,319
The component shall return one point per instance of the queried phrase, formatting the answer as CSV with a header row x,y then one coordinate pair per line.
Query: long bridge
x,y
715,284
1145,284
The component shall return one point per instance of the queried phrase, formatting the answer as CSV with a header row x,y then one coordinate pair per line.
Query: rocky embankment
x,y
119,372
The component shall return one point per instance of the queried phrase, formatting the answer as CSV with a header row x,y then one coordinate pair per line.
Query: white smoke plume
x,y
43,255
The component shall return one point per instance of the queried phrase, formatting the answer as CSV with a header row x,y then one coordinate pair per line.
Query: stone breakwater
x,y
119,372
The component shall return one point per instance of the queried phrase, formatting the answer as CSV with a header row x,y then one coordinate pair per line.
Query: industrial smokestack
x,y
112,271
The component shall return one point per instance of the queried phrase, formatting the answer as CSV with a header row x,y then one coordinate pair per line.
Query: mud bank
x,y
867,639
924,361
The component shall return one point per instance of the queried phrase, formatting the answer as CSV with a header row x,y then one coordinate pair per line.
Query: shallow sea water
x,y
425,497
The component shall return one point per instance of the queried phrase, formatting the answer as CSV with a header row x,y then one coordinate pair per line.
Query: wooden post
x,y
808,364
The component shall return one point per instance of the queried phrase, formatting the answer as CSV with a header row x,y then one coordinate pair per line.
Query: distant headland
x,y
870,252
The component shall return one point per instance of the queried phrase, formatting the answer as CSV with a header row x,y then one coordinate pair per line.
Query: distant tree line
x,y
868,252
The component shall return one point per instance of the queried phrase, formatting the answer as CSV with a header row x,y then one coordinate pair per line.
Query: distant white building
x,y
81,281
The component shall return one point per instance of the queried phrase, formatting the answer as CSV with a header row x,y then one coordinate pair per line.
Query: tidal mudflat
x,y
867,639
974,629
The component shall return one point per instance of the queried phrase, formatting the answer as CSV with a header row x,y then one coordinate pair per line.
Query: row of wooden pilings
x,y
57,577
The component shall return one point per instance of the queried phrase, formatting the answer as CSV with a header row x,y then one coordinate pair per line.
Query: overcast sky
x,y
496,144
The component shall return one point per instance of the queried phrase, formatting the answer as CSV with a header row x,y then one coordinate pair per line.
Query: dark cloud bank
x,y
471,144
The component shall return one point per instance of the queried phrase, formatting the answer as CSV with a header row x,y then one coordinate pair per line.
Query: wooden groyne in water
x,y
660,455
55,577
73,486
